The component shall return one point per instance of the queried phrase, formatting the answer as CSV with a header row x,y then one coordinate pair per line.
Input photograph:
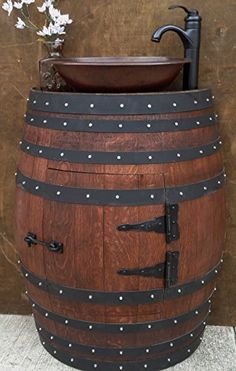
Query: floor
x,y
20,349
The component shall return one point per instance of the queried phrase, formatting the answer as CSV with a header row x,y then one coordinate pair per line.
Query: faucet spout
x,y
187,41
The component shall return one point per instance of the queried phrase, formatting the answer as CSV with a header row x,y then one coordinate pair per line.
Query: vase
x,y
50,80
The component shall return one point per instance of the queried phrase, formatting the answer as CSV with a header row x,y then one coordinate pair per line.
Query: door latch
x,y
167,270
167,224
52,246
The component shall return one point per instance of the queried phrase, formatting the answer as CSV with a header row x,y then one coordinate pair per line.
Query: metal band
x,y
70,123
201,310
120,158
119,197
170,359
120,352
120,298
116,104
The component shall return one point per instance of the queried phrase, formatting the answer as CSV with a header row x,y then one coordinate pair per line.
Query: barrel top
x,y
120,104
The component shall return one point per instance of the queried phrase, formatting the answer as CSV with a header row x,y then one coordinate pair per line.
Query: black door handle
x,y
53,246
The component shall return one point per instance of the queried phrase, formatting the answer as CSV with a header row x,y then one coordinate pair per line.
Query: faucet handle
x,y
190,12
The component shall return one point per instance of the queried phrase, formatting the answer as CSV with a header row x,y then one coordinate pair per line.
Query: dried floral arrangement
x,y
54,22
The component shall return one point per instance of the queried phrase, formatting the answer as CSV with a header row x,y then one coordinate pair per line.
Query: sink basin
x,y
119,74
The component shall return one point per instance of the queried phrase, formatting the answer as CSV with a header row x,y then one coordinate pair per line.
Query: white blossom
x,y
57,17
52,29
8,6
46,4
20,24
19,4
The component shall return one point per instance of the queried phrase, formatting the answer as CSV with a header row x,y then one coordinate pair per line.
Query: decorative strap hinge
x,y
167,270
167,224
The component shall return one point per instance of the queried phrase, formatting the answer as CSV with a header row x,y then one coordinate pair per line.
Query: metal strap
x,y
120,352
121,158
94,124
120,298
199,312
120,104
153,364
119,197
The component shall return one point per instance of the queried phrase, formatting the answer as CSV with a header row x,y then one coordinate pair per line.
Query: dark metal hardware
x,y
167,270
167,224
191,38
53,246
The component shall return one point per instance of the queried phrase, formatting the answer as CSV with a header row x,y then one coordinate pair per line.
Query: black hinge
x,y
167,270
52,246
167,224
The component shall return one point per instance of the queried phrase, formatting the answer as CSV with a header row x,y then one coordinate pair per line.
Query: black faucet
x,y
191,38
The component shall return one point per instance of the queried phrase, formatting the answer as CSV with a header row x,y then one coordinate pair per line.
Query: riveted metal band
x,y
121,158
120,298
92,124
119,197
155,364
121,352
201,311
115,104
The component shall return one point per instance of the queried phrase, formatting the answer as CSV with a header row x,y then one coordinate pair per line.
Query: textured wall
x,y
116,27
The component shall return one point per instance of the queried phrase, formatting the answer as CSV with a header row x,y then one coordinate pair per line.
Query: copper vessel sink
x,y
119,74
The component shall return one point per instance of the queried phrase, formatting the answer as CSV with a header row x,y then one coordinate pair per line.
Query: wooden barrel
x,y
120,217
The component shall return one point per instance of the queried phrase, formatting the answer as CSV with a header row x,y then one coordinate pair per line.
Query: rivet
x,y
121,352
195,101
179,291
43,343
18,261
65,123
189,350
25,115
66,104
150,157
215,289
121,298
40,151
152,196
58,193
174,104
176,123
28,147
95,365
44,121
40,329
37,187
121,367
204,323
169,360
152,296
149,126
121,329
181,193
209,301
120,126
33,305
171,345
62,154
16,173
34,102
219,182
90,156
210,118
51,338
72,359
205,188
178,155
46,103
24,182
203,282
216,271
175,321
201,339
70,345
61,292
201,151
87,195
26,292
66,322
118,157
32,119
220,141
191,335
20,142
90,297
209,311
225,175
90,327
222,261
93,351
117,197
149,326
40,283
198,123
46,314
196,312
214,147
213,97
216,116
26,274
122,105
208,100
27,99
147,350
149,106
145,366
90,124
91,105
55,352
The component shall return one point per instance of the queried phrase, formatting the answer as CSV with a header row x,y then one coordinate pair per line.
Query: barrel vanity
x,y
120,217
